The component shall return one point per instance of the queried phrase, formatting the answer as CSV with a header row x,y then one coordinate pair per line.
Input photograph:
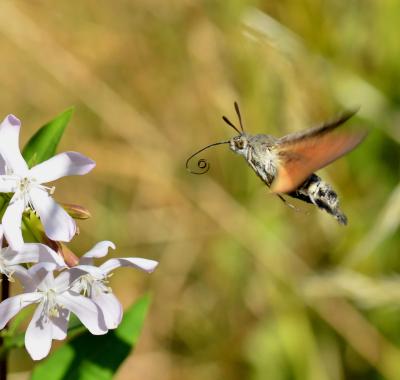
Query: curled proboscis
x,y
202,163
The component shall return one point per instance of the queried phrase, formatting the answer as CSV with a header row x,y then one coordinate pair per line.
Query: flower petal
x,y
111,309
32,253
2,166
7,185
60,325
63,281
46,254
9,145
136,262
85,309
13,305
57,223
12,222
98,250
61,165
39,334
80,270
42,275
23,276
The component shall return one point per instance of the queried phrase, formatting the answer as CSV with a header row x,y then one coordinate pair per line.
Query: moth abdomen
x,y
318,192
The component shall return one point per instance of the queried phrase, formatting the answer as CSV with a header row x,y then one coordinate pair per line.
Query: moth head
x,y
238,144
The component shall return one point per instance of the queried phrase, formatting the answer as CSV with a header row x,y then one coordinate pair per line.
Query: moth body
x,y
287,164
258,151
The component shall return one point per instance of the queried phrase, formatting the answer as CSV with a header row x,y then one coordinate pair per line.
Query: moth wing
x,y
301,154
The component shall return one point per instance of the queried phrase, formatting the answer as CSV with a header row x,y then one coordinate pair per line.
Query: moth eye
x,y
239,144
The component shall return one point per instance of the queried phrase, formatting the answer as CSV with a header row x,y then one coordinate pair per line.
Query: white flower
x,y
29,253
55,301
93,281
29,191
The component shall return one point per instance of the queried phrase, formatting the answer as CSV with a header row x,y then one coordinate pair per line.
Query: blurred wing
x,y
300,154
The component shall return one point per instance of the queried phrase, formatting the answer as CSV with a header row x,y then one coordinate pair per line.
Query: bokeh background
x,y
246,288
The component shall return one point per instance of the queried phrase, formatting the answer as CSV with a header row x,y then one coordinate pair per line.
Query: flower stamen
x,y
90,286
50,305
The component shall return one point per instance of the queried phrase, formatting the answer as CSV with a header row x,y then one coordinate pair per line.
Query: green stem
x,y
4,201
8,342
5,293
33,233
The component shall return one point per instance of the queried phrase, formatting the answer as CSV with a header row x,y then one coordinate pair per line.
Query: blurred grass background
x,y
246,287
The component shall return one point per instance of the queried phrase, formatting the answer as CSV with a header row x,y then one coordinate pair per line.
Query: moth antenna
x,y
202,163
239,116
227,121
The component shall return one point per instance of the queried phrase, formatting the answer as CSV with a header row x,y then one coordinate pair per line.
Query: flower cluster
x,y
57,288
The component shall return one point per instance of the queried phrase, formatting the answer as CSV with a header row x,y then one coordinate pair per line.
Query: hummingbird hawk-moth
x,y
287,164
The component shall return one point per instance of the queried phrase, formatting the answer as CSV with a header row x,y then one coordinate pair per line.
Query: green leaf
x,y
43,144
90,357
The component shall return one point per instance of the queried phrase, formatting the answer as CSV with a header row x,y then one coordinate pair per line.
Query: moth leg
x,y
249,160
289,204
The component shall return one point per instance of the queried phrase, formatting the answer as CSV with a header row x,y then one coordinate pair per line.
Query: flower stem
x,y
34,234
5,293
